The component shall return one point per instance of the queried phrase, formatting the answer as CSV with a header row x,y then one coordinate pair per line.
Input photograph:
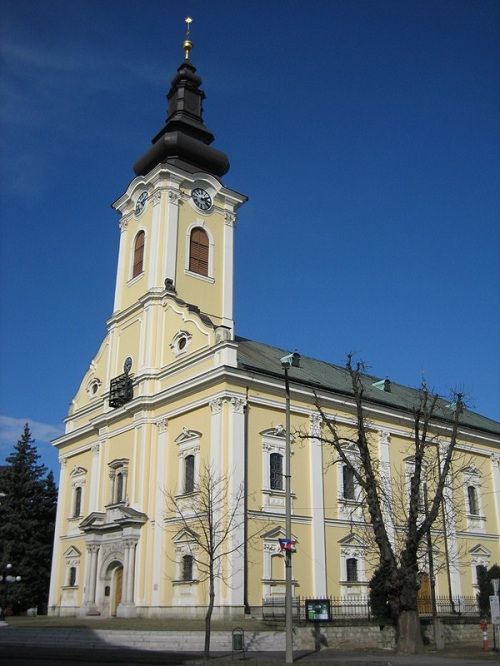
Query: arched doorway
x,y
113,587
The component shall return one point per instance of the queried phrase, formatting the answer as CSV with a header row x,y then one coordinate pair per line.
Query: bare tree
x,y
399,546
212,516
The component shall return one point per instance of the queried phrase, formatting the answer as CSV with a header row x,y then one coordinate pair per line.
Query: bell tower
x,y
177,218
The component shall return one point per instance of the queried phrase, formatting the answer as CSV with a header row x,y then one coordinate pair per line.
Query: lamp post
x,y
288,361
6,577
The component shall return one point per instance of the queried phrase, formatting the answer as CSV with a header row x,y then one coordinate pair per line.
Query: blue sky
x,y
366,135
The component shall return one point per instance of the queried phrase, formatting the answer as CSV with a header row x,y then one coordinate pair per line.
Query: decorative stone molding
x,y
315,421
216,405
495,459
385,437
174,196
156,197
123,223
230,218
238,405
162,424
95,448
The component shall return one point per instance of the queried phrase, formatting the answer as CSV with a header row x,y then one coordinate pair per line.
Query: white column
x,y
236,469
495,467
228,270
94,549
131,571
89,605
216,462
172,224
57,561
385,469
451,532
318,542
216,443
146,350
159,510
95,478
154,276
126,573
135,491
121,277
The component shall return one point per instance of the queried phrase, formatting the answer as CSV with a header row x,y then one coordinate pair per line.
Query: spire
x,y
184,140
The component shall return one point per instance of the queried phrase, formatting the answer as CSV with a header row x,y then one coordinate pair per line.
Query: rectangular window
x,y
187,567
189,474
276,471
347,483
352,570
472,496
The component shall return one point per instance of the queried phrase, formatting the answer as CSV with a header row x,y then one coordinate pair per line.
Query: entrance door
x,y
117,589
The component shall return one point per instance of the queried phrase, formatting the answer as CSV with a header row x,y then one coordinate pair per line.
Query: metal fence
x,y
273,608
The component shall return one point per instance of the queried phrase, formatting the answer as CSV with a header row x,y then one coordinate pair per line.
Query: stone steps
x,y
179,641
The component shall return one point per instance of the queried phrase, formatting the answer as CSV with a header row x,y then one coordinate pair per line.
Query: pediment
x,y
117,517
78,471
352,540
276,431
187,435
276,533
480,550
72,552
185,534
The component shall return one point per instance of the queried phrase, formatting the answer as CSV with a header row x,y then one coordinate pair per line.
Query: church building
x,y
173,391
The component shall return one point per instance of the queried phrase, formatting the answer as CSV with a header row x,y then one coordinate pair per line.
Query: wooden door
x,y
117,589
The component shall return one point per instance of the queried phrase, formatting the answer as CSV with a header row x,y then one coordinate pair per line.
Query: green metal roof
x,y
265,359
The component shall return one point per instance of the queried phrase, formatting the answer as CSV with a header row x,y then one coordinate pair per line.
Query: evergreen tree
x,y
486,588
27,520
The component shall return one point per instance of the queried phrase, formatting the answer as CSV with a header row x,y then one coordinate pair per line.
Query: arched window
x,y
189,474
187,567
276,471
198,252
347,483
351,570
472,496
78,502
138,254
72,577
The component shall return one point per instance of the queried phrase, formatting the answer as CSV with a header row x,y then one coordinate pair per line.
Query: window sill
x,y
70,587
354,583
135,279
277,493
195,581
199,276
182,494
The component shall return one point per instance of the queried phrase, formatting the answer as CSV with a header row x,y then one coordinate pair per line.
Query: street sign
x,y
495,609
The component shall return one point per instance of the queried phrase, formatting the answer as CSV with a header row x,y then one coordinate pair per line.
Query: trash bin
x,y
238,639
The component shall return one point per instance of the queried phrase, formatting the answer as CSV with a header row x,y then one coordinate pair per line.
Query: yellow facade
x,y
202,397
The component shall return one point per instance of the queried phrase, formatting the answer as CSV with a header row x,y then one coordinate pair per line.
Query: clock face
x,y
202,199
141,202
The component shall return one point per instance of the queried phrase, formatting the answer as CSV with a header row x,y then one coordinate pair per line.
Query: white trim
x,y
316,482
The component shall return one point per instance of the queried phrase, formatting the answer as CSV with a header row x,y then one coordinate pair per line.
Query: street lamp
x,y
288,361
6,577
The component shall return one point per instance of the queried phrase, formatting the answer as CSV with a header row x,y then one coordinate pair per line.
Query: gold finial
x,y
187,44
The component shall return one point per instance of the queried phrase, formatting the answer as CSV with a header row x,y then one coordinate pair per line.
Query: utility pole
x,y
291,360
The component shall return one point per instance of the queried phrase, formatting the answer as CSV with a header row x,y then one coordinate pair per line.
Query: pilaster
x,y
236,457
158,554
318,545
